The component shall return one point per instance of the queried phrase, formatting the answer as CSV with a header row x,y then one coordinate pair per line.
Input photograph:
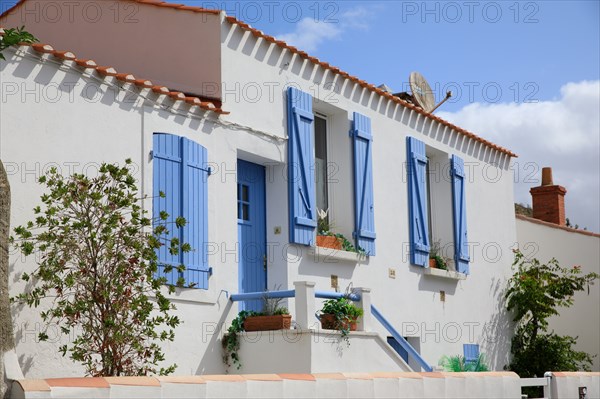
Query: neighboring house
x,y
545,236
299,135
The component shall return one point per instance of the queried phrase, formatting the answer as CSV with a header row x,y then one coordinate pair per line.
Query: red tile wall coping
x,y
555,226
576,374
107,382
108,72
257,33
83,382
134,381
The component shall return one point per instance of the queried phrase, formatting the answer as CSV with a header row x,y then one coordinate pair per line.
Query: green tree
x,y
535,293
97,262
13,37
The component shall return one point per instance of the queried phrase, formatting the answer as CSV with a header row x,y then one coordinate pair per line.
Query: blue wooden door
x,y
251,231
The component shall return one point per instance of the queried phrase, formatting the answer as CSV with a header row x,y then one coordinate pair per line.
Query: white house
x,y
255,136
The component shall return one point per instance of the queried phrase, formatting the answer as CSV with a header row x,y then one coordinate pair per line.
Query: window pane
x,y
245,193
321,162
245,211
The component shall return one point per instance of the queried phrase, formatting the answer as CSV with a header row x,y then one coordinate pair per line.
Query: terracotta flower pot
x,y
329,242
267,323
330,322
432,263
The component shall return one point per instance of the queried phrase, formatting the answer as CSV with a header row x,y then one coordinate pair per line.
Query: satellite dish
x,y
421,92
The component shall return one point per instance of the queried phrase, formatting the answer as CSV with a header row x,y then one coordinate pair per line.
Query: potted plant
x,y
340,314
274,317
436,260
325,238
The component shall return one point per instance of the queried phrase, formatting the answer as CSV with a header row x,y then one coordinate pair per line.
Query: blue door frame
x,y
252,248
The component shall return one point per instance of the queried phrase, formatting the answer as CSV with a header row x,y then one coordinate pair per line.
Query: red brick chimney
x,y
549,200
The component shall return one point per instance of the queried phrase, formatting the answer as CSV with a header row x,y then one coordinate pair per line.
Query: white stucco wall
x,y
570,248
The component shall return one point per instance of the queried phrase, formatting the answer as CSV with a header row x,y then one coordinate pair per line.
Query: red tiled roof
x,y
124,77
368,86
555,226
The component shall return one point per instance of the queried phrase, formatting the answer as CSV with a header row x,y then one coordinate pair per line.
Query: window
x,y
180,172
321,164
243,196
437,206
326,171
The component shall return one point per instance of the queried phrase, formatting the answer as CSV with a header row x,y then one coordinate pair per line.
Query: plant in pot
x,y
328,239
325,238
274,317
436,260
340,314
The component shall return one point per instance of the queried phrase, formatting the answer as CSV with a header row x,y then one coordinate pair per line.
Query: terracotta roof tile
x,y
160,89
107,71
143,83
86,63
125,77
41,48
65,55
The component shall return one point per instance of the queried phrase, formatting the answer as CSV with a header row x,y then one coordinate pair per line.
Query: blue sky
x,y
525,74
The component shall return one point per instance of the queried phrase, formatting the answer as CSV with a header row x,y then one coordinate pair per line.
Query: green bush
x,y
535,292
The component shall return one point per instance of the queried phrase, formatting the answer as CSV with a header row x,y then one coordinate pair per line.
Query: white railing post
x,y
364,323
305,304
548,387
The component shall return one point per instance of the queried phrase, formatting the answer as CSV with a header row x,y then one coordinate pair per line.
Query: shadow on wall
x,y
499,329
212,360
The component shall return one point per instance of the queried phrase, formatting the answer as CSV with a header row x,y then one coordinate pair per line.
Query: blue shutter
x,y
181,172
167,177
461,247
301,184
471,353
195,212
417,202
364,216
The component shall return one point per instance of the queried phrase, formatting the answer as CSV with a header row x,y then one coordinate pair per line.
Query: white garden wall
x,y
570,247
324,385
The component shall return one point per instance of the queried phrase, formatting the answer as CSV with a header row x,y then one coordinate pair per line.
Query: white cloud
x,y
310,33
563,134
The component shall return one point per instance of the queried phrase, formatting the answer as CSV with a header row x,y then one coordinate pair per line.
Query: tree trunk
x,y
7,341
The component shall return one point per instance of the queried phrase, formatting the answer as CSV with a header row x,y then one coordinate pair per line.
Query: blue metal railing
x,y
335,295
400,339
260,295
